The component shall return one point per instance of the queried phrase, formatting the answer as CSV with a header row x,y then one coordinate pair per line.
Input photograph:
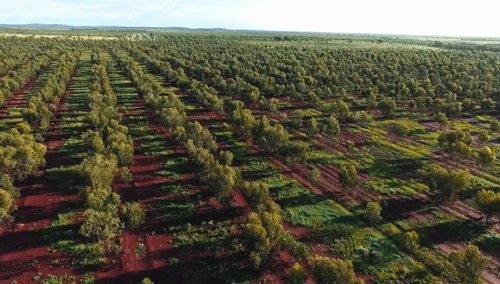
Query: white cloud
x,y
436,17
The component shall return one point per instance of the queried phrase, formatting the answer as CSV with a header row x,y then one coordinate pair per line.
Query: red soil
x,y
279,264
299,232
239,199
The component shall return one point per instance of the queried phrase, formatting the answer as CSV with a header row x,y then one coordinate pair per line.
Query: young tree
x,y
332,126
126,176
494,126
94,139
297,118
294,150
226,158
20,154
273,105
172,117
447,140
341,109
314,174
220,179
330,270
121,146
312,127
388,107
372,100
469,265
243,122
460,150
6,183
410,241
102,226
147,281
296,275
441,119
99,170
449,182
349,176
483,137
256,193
488,202
253,95
134,215
6,205
486,156
372,212
257,241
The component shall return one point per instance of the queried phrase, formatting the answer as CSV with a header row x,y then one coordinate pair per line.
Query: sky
x,y
416,17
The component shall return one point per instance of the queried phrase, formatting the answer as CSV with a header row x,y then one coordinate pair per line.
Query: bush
x,y
329,270
134,215
256,193
488,202
147,281
332,126
399,129
469,265
410,241
296,275
102,226
87,279
20,154
126,175
372,212
314,174
449,182
349,176
486,156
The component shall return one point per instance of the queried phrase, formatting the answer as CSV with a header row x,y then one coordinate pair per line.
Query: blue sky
x,y
428,17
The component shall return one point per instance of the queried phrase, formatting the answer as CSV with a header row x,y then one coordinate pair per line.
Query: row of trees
x,y
20,157
457,143
213,166
264,228
112,151
107,136
247,125
45,100
14,80
165,105
237,76
274,138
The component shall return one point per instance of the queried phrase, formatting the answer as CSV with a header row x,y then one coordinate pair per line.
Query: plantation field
x,y
177,157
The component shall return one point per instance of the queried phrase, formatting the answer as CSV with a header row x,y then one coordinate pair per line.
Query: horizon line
x,y
114,27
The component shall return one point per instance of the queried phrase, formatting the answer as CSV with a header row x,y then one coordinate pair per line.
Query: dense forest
x,y
190,157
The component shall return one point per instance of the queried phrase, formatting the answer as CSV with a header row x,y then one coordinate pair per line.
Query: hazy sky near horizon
x,y
423,17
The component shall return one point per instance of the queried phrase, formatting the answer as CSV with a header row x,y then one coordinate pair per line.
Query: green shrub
x,y
296,275
133,214
372,212
330,270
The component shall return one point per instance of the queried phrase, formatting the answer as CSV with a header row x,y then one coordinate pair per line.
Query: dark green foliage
x,y
349,176
330,270
450,183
